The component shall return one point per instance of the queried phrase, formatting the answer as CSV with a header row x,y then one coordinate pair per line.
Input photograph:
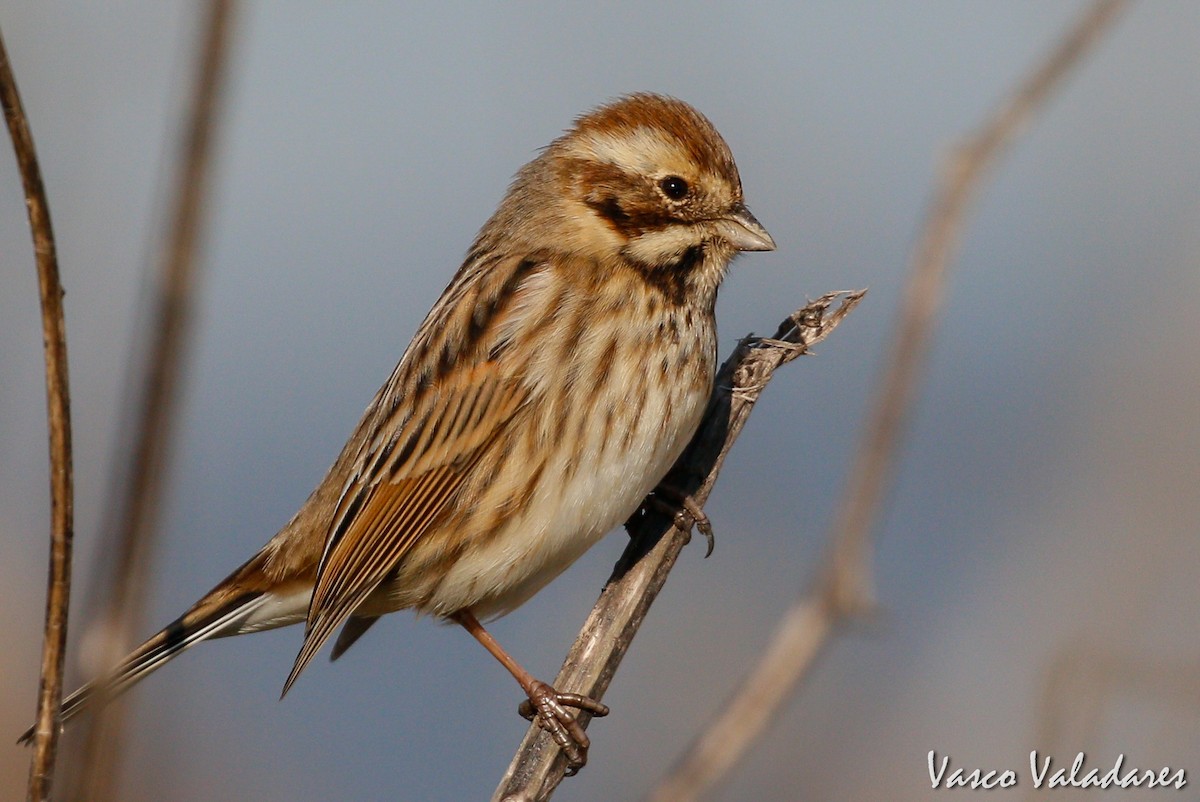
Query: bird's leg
x,y
669,499
545,705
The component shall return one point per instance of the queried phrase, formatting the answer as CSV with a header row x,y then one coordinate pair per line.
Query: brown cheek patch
x,y
630,219
610,209
620,200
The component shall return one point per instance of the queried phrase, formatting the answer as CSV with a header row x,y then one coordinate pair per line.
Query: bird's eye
x,y
674,187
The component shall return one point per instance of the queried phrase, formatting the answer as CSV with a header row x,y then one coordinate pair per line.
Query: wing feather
x,y
382,515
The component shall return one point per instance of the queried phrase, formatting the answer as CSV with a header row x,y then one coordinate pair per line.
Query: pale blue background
x,y
1047,502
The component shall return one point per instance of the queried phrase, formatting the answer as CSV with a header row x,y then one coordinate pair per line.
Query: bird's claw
x,y
548,709
688,515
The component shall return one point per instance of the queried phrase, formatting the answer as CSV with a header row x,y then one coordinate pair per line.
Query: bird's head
x,y
647,178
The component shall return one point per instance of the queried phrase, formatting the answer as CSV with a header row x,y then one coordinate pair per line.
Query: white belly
x,y
569,511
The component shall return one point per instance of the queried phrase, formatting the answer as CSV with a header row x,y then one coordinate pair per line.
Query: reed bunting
x,y
549,389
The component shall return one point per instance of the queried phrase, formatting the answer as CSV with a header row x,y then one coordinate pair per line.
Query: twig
x,y
54,342
656,542
1085,681
843,588
129,527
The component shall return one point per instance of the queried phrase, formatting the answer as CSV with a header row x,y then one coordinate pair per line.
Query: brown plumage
x,y
549,389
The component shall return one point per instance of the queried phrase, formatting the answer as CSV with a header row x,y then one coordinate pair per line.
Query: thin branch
x,y
54,342
130,525
655,542
843,587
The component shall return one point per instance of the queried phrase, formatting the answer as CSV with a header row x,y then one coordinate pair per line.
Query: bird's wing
x,y
402,486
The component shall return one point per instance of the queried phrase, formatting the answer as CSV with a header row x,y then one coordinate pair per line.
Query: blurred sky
x,y
1045,516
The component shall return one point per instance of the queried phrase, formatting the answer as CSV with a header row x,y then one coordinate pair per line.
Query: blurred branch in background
x,y
843,586
58,404
131,518
1088,685
656,539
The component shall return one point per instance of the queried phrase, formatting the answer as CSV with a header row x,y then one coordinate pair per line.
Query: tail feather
x,y
209,618
353,629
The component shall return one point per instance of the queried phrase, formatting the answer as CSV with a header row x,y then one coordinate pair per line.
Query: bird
x,y
550,388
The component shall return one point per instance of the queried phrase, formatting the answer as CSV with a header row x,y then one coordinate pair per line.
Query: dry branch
x,y
843,587
129,528
656,541
54,343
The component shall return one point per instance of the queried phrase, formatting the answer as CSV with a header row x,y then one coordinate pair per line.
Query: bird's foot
x,y
548,708
686,511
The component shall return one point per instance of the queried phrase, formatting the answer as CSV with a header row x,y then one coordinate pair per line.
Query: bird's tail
x,y
230,608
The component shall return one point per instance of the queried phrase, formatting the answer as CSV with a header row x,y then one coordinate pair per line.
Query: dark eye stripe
x,y
610,209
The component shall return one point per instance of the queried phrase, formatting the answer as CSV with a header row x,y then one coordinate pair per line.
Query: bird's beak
x,y
744,232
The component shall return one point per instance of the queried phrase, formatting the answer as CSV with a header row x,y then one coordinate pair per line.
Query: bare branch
x,y
843,587
54,342
130,525
1085,679
655,542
